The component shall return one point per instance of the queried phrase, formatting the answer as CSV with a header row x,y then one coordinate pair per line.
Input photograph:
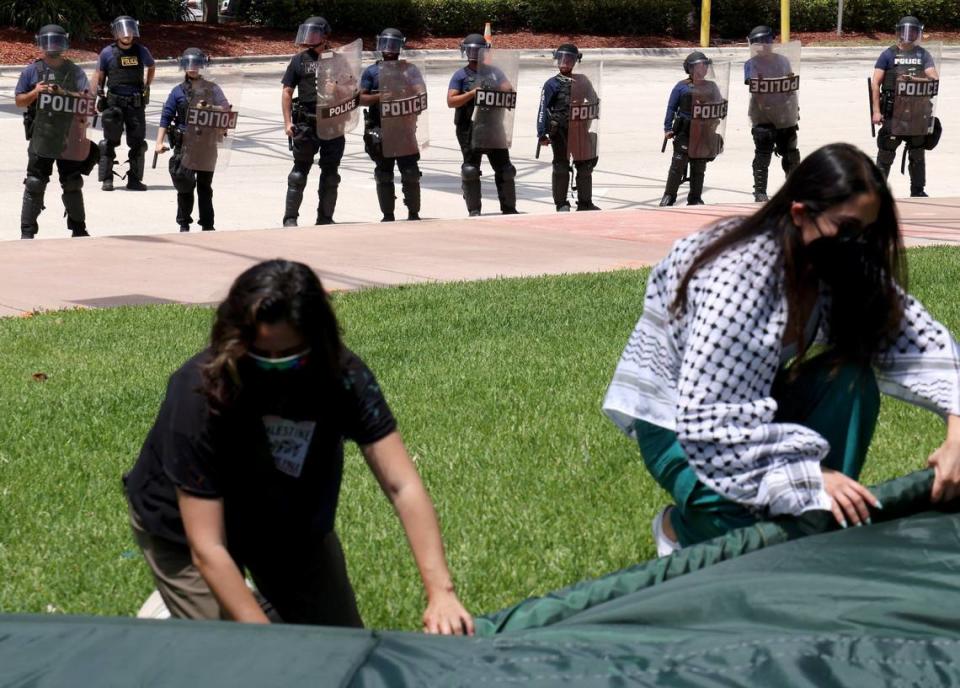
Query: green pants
x,y
841,404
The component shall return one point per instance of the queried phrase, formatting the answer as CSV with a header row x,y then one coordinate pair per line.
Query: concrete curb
x,y
732,52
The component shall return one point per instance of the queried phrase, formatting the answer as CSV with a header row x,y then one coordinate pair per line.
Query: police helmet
x,y
390,42
52,39
472,45
312,31
567,54
696,57
760,34
125,27
909,30
193,60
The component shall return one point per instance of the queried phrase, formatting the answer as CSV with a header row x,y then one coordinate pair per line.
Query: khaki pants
x,y
314,591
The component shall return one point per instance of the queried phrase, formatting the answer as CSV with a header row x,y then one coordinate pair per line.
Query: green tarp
x,y
870,606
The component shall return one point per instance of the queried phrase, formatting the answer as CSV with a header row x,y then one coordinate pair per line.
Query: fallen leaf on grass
x,y
40,377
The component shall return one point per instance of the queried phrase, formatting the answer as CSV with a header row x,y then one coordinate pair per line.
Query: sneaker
x,y
208,229
107,185
413,216
321,220
290,222
510,211
563,208
136,185
667,200
760,197
80,233
588,206
918,193
184,228
665,546
694,201
388,217
26,235
474,213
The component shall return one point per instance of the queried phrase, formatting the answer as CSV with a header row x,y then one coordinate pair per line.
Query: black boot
x,y
585,187
698,169
329,185
667,200
410,185
761,172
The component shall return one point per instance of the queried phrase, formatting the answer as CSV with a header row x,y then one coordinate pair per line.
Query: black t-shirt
x,y
275,456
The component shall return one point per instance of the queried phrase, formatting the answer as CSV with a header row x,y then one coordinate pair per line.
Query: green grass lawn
x,y
497,387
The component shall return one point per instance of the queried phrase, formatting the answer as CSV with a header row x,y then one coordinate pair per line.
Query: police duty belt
x,y
585,111
211,118
340,109
783,84
496,99
921,88
404,107
710,110
72,103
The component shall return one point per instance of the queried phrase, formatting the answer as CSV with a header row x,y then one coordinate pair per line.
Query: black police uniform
x,y
553,120
124,109
300,75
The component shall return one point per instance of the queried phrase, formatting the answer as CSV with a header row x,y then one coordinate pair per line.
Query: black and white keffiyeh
x,y
707,373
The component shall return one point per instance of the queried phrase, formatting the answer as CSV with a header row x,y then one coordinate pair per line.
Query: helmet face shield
x,y
909,32
193,62
390,44
125,27
760,39
312,34
472,51
566,59
53,43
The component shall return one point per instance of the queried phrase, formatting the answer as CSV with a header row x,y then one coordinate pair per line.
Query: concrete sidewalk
x,y
198,268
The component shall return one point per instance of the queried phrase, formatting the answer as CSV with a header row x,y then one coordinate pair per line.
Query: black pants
x,y
306,145
560,180
185,181
38,176
503,173
887,145
383,175
678,165
131,120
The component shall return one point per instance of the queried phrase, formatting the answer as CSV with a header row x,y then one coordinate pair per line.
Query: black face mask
x,y
840,260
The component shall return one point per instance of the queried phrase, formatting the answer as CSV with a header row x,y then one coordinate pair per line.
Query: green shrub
x,y
78,16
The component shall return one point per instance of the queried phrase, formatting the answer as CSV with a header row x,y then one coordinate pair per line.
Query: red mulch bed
x,y
237,40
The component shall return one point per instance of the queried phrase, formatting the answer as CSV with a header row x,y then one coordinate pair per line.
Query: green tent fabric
x,y
878,605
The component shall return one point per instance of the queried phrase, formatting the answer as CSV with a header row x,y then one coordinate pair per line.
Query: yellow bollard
x,y
705,24
784,21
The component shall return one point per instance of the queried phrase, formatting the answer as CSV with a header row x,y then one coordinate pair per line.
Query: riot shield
x,y
708,116
403,106
583,128
773,76
60,127
210,117
495,104
915,97
338,91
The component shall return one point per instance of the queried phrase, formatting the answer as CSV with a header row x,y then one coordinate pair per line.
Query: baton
x,y
155,154
537,155
96,115
663,148
873,127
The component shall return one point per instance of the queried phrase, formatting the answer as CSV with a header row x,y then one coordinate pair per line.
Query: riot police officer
x,y
126,68
389,44
173,122
53,89
773,116
305,74
906,62
553,128
678,125
460,95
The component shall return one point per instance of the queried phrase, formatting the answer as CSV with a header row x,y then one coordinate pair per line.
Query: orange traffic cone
x,y
487,33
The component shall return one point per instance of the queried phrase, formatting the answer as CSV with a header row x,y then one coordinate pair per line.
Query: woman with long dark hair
x,y
242,467
752,380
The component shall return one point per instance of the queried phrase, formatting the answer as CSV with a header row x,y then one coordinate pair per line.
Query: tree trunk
x,y
211,13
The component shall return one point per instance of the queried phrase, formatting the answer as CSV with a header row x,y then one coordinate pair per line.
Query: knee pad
x,y
886,157
764,139
383,177
507,173
411,175
329,178
105,147
184,180
916,154
885,142
112,122
73,182
791,159
297,180
35,184
469,173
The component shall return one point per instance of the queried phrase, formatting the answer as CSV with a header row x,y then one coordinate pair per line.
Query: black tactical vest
x,y
372,113
463,115
905,62
306,65
559,111
125,67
